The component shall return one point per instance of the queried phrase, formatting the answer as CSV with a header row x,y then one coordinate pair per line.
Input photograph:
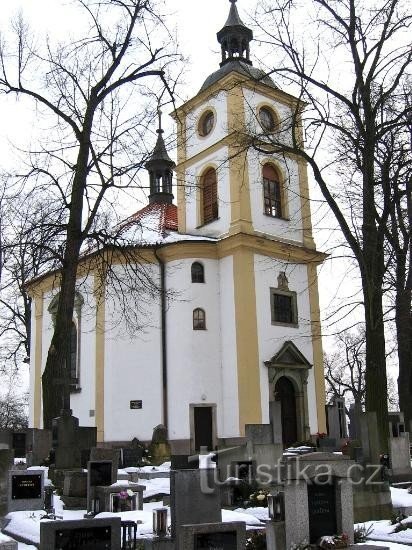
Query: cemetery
x,y
308,495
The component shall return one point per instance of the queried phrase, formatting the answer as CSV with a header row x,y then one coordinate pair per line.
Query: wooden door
x,y
203,423
285,393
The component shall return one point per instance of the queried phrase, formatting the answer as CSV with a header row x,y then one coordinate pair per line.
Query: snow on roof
x,y
154,224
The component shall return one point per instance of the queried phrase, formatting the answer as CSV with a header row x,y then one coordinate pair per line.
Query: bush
x,y
256,541
361,533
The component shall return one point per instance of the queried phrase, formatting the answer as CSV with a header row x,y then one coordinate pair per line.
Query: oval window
x,y
206,123
267,119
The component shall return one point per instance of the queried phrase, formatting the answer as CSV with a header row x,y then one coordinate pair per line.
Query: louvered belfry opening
x,y
209,196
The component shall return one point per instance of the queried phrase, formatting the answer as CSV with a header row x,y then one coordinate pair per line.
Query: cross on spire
x,y
159,114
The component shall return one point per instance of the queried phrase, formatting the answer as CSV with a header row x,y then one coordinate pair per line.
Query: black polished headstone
x,y
131,457
221,541
88,534
90,538
26,487
19,444
100,473
322,511
184,462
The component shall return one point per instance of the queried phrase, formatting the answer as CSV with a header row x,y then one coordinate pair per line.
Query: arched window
x,y
198,273
74,354
199,319
272,194
209,196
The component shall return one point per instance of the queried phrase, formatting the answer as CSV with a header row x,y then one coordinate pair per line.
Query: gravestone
x,y
38,446
101,454
194,498
65,431
318,496
399,448
355,411
19,443
120,497
336,419
184,462
131,457
75,490
89,534
99,474
159,447
26,490
6,462
322,511
222,536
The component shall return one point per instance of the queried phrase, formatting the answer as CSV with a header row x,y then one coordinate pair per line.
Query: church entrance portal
x,y
285,395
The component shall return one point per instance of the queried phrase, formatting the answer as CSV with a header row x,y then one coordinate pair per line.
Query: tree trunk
x,y
404,337
375,378
56,376
372,268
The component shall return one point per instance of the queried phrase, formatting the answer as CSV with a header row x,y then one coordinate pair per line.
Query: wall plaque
x,y
136,404
26,487
322,511
91,538
216,541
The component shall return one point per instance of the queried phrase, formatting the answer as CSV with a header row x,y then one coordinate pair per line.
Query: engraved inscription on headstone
x,y
100,473
90,538
216,541
322,511
131,457
26,486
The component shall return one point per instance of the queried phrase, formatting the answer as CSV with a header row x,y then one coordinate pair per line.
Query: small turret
x,y
235,38
160,167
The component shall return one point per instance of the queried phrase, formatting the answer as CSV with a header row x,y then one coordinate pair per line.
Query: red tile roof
x,y
159,217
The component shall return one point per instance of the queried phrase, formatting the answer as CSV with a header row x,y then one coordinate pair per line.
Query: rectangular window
x,y
283,307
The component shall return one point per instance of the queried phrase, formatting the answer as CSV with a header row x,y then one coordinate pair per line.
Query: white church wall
x,y
132,370
230,421
83,401
32,371
272,337
218,160
196,143
194,365
287,229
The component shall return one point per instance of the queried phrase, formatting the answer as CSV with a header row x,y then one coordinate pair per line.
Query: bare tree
x,y
395,159
343,115
345,370
86,90
32,237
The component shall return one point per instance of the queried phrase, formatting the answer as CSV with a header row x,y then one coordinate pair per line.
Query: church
x,y
232,337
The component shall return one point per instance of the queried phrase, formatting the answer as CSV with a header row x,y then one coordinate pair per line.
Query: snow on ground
x,y
391,545
401,498
156,486
383,530
258,512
